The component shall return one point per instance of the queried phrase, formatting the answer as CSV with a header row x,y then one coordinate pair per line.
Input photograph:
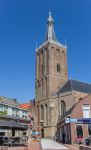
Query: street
x,y
45,144
52,145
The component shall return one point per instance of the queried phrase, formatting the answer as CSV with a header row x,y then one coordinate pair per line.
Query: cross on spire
x,y
50,29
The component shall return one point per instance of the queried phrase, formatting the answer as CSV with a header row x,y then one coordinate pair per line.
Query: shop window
x,y
89,129
86,111
24,133
2,133
79,130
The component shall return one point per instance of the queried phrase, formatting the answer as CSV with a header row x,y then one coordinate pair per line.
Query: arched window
x,y
46,87
63,108
38,114
42,89
38,89
50,118
42,112
46,111
38,83
58,68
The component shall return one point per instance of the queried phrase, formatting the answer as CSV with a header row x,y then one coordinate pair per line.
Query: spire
x,y
50,29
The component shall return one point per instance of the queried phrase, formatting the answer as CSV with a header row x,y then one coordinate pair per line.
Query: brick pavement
x,y
72,147
48,144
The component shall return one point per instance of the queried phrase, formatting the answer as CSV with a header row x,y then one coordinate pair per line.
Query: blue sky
x,y
23,23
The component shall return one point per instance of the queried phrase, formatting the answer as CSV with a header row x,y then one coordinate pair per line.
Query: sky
x,y
23,24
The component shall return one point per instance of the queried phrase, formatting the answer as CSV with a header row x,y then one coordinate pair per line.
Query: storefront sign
x,y
81,120
84,120
68,120
73,120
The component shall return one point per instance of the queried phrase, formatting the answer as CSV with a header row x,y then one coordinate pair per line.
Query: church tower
x,y
51,73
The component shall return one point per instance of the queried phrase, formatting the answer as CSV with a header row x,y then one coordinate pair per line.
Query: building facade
x,y
55,93
10,110
51,72
79,123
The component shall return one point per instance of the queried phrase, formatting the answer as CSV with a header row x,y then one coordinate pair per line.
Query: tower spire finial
x,y
50,28
50,12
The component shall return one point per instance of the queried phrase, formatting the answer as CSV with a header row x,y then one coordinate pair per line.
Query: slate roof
x,y
8,101
75,86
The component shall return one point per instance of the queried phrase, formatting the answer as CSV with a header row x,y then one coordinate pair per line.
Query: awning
x,y
35,133
13,125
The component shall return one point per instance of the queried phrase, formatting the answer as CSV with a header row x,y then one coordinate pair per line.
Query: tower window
x,y
62,108
52,47
46,109
58,68
58,50
42,112
42,69
38,83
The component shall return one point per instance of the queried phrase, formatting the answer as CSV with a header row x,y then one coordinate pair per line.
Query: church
x,y
55,93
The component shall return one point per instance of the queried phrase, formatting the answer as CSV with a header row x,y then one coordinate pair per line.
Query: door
x,y
42,133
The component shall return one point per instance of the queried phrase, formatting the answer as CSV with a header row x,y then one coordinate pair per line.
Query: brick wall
x,y
78,113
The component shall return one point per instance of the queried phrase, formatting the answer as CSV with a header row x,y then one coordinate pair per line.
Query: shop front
x,y
64,132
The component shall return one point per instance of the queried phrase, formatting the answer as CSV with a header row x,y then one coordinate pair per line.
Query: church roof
x,y
67,113
50,34
74,85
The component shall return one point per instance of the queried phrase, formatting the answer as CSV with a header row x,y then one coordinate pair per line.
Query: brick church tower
x,y
51,73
